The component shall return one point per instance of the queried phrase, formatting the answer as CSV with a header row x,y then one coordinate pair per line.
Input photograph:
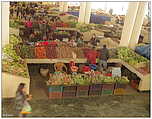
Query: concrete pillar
x,y
87,13
65,7
137,25
81,18
5,23
129,23
61,4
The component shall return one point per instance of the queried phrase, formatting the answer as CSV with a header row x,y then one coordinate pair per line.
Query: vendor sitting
x,y
94,40
73,67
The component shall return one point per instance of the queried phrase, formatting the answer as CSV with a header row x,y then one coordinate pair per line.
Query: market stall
x,y
45,38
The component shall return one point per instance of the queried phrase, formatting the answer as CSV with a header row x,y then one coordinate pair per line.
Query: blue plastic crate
x,y
55,88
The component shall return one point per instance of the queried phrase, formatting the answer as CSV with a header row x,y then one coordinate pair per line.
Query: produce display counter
x,y
67,60
144,84
67,29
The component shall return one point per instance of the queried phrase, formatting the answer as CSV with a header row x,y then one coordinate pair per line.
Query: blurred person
x,y
22,101
104,55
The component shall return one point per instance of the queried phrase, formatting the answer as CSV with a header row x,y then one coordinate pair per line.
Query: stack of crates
x,y
55,92
95,90
107,89
69,91
82,90
120,89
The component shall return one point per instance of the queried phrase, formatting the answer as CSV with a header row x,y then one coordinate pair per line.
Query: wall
x,y
10,84
5,23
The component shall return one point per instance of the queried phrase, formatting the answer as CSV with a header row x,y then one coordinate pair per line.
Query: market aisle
x,y
38,87
136,105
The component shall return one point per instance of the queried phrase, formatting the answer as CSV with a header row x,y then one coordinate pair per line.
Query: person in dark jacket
x,y
104,55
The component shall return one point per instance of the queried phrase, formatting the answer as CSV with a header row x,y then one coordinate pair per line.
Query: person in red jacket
x,y
28,23
91,56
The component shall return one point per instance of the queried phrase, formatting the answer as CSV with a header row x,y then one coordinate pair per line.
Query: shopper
x,y
91,56
93,40
104,55
22,105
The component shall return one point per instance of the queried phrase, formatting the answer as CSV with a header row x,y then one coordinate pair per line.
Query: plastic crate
x,y
119,91
69,88
55,88
94,93
108,86
55,95
107,92
82,93
120,85
68,94
83,88
96,87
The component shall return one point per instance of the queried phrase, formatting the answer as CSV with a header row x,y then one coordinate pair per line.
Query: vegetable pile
x,y
15,23
130,56
11,62
82,79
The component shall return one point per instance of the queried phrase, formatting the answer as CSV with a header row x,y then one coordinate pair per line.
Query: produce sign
x,y
130,56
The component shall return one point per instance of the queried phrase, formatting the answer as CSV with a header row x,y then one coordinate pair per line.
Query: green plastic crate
x,y
107,92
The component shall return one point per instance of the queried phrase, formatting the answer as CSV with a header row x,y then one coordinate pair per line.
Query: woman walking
x,y
21,101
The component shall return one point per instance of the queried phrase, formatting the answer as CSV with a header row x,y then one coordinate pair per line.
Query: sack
x,y
26,108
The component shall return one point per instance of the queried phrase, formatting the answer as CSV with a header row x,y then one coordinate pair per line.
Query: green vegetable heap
x,y
83,79
15,23
11,62
130,56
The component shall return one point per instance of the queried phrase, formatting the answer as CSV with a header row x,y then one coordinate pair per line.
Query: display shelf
x,y
144,84
67,60
67,29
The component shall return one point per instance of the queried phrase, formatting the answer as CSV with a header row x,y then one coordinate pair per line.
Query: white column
x,y
129,23
87,13
82,12
65,7
137,25
5,23
61,5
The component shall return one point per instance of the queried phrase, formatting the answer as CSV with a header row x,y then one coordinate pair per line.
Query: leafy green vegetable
x,y
130,56
12,63
15,23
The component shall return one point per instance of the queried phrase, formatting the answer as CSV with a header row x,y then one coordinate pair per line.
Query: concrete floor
x,y
133,104
103,106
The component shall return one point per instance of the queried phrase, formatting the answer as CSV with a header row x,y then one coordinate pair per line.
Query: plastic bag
x,y
26,108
